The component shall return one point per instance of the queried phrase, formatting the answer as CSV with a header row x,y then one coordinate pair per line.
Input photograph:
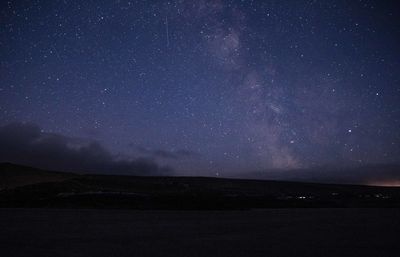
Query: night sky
x,y
204,88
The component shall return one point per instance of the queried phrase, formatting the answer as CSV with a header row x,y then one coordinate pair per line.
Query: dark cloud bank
x,y
163,154
26,144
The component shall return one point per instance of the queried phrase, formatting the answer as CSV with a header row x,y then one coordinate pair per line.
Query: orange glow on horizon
x,y
395,183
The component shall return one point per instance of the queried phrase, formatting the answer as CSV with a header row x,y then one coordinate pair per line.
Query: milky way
x,y
207,87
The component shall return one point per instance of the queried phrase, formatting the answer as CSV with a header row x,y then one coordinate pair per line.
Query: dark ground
x,y
273,232
27,187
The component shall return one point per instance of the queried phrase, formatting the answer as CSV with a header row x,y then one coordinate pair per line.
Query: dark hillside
x,y
27,187
12,176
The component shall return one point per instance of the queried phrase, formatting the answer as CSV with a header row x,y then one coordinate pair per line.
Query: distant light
x,y
395,183
349,130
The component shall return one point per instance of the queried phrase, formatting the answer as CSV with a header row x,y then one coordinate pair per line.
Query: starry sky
x,y
201,87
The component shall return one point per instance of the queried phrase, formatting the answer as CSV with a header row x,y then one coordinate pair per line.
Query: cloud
x,y
26,144
164,154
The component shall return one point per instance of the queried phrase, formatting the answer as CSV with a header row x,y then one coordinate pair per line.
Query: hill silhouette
x,y
12,176
29,187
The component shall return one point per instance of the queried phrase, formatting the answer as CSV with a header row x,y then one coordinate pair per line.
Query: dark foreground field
x,y
273,232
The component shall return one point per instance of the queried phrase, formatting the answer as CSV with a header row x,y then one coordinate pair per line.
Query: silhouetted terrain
x,y
229,223
27,187
12,176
